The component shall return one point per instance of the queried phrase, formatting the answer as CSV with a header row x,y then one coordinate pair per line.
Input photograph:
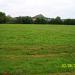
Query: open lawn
x,y
37,49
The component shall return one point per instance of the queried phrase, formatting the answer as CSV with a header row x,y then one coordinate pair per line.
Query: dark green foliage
x,y
18,20
57,20
2,17
23,20
69,21
52,21
9,19
40,21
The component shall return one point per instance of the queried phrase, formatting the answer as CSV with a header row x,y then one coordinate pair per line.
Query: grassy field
x,y
37,49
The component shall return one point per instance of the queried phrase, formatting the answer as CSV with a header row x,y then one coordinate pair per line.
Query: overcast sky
x,y
49,8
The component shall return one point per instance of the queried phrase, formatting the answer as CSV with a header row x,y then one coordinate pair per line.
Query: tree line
x,y
37,20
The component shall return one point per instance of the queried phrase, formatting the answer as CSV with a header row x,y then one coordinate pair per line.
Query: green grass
x,y
36,49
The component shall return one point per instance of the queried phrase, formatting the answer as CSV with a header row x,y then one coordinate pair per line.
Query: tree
x,y
2,17
58,20
18,20
27,20
9,19
52,21
23,20
40,21
69,21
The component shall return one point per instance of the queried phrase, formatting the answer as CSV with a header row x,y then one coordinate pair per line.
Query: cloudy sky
x,y
49,8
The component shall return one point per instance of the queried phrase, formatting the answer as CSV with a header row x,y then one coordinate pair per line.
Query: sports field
x,y
37,49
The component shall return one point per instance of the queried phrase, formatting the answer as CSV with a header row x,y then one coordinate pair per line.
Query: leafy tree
x,y
69,21
27,20
40,21
2,17
58,20
52,21
23,20
9,19
17,20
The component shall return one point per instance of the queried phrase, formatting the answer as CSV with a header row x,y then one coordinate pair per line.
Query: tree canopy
x,y
2,17
38,19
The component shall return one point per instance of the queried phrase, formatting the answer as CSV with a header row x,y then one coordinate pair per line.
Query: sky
x,y
49,8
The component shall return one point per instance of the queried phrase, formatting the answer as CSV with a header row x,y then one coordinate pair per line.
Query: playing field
x,y
37,49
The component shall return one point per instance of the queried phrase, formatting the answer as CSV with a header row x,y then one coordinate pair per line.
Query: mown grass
x,y
36,49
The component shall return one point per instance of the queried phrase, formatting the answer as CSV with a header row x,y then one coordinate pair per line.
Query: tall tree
x,y
2,17
23,20
58,20
9,19
40,21
69,21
